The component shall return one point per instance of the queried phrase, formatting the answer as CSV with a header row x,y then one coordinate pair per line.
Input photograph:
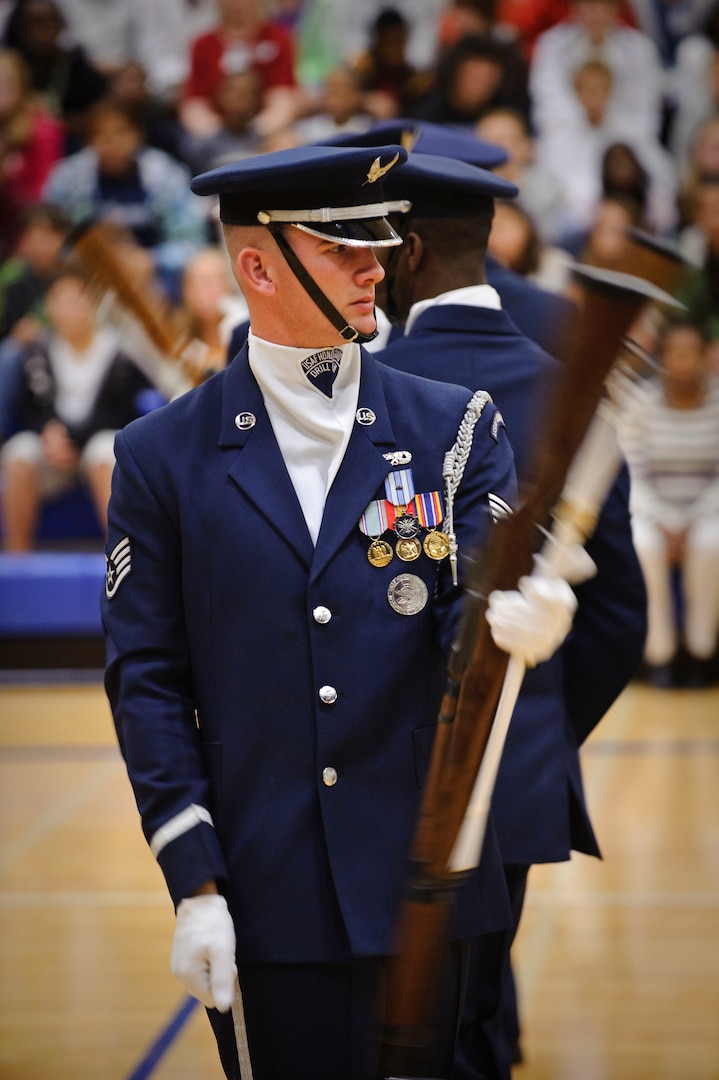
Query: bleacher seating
x,y
50,594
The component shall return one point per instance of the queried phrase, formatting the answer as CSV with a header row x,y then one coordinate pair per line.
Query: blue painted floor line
x,y
164,1040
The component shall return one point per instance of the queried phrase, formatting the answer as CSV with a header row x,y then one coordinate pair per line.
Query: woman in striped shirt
x,y
671,440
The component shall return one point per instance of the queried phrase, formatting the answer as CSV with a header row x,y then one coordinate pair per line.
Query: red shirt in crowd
x,y
28,166
213,56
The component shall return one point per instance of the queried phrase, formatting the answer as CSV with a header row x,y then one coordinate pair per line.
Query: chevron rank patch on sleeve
x,y
498,507
119,565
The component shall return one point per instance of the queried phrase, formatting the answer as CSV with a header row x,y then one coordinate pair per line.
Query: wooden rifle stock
x,y
95,244
477,667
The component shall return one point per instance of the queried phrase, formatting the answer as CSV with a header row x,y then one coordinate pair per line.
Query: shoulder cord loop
x,y
454,464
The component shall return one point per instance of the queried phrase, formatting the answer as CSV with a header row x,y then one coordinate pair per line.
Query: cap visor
x,y
360,232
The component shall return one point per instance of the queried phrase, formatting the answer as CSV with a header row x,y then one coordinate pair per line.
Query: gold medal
x,y
379,553
408,549
436,545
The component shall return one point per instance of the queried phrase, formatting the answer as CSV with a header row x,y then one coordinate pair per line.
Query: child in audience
x,y
34,140
25,276
77,389
211,305
238,102
340,108
514,241
540,193
574,155
117,177
384,72
244,39
68,83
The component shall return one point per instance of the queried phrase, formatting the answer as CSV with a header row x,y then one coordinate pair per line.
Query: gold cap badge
x,y
377,170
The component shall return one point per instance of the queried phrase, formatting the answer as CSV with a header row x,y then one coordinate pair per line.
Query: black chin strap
x,y
313,290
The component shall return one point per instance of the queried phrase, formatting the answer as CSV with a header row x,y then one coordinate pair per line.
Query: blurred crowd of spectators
x,y
608,111
107,107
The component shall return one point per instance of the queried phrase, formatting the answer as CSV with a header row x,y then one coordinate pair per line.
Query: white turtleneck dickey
x,y
312,430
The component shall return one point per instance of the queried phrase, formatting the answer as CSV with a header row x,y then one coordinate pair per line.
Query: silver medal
x,y
407,594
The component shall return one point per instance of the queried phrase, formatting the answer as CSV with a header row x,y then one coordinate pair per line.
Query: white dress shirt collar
x,y
470,296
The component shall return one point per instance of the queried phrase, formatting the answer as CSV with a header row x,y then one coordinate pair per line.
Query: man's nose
x,y
369,265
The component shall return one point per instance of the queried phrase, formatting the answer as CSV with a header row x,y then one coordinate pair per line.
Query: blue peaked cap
x,y
329,191
424,137
441,187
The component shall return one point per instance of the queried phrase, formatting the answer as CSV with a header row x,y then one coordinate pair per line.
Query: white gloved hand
x,y
532,622
571,561
203,950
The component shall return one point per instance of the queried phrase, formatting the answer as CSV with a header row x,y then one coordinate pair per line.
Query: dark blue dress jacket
x,y
539,806
216,658
540,314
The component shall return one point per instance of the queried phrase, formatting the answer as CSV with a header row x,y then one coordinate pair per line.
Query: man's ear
x,y
413,250
254,271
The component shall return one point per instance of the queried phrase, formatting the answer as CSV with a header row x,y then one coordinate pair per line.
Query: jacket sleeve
x,y
149,681
604,648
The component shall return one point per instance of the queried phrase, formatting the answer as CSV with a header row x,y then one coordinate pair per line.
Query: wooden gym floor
x,y
618,961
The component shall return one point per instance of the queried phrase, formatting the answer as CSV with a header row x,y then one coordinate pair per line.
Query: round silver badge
x,y
407,594
245,420
366,417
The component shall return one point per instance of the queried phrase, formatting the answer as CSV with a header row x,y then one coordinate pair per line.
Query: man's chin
x,y
364,324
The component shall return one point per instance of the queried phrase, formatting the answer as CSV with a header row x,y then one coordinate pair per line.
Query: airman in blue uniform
x,y
275,645
456,329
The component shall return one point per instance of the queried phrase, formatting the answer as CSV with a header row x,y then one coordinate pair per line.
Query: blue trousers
x,y
324,1021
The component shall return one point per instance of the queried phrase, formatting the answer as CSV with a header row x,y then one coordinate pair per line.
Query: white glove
x,y
203,950
533,621
571,561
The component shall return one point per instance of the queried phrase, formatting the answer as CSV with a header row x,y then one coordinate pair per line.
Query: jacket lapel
x,y
259,469
260,473
363,468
